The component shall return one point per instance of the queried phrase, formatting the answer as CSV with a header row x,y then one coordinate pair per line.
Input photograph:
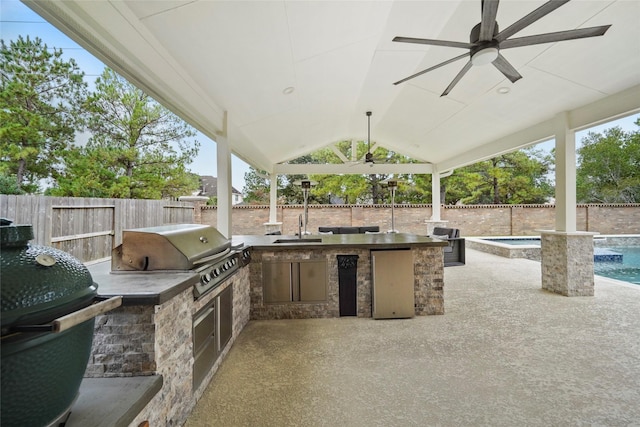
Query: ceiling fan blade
x,y
506,68
488,23
433,42
455,81
524,22
431,68
580,33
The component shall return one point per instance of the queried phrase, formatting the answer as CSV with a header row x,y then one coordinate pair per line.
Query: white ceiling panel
x,y
207,60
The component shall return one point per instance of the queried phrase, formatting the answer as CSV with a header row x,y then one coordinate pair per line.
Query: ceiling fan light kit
x,y
486,41
484,56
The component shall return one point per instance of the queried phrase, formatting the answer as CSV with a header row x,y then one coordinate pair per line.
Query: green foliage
x,y
513,178
256,187
138,148
40,99
518,177
609,167
9,185
347,188
368,188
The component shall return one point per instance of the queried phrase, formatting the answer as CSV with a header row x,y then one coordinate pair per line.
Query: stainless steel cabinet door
x,y
225,317
313,280
276,282
393,292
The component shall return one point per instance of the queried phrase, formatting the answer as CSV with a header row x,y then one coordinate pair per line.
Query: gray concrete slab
x,y
506,353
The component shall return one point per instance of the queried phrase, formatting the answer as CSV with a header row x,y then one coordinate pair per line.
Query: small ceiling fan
x,y
368,157
486,41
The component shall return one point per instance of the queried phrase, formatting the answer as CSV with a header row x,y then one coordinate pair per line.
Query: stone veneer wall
x,y
428,283
504,250
472,220
123,343
567,263
159,339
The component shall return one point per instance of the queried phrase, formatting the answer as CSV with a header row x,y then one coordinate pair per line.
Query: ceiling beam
x,y
612,107
338,153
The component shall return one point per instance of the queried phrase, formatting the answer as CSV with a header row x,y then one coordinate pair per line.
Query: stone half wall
x,y
472,220
428,283
158,340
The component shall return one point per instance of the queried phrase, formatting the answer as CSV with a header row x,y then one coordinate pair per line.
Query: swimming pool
x,y
628,270
606,249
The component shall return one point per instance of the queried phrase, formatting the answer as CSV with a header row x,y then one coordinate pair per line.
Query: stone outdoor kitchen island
x,y
153,335
274,256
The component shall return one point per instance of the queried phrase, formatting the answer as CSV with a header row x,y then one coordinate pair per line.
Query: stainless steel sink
x,y
314,240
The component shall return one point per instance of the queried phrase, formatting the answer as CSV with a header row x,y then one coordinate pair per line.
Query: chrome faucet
x,y
300,226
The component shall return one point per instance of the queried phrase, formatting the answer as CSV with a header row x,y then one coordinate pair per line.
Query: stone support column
x,y
567,263
566,254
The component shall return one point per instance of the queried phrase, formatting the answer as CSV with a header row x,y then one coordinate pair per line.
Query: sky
x,y
17,19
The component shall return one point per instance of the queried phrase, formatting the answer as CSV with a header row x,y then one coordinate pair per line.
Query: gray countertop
x,y
155,288
112,402
373,241
141,288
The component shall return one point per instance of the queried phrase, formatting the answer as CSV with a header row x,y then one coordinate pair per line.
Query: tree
x,y
9,185
40,99
513,178
368,188
256,187
517,177
609,167
349,188
138,148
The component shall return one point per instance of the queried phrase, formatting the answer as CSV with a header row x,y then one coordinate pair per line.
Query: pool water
x,y
627,270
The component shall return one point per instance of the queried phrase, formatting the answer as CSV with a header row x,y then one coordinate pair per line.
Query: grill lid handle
x,y
75,318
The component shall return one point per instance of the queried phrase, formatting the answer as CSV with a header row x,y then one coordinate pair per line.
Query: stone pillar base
x,y
432,223
567,263
272,227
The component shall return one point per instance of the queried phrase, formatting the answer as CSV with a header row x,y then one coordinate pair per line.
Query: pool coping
x,y
532,252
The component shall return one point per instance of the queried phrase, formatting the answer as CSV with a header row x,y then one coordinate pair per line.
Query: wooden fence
x,y
89,228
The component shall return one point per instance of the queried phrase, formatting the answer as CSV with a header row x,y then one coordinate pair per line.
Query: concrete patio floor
x,y
506,353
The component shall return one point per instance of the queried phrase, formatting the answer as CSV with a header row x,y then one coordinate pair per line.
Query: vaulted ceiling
x,y
294,76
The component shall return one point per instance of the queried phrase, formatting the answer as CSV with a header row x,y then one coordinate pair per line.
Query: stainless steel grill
x,y
180,247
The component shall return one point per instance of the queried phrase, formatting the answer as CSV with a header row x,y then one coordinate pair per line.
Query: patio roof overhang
x,y
280,79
